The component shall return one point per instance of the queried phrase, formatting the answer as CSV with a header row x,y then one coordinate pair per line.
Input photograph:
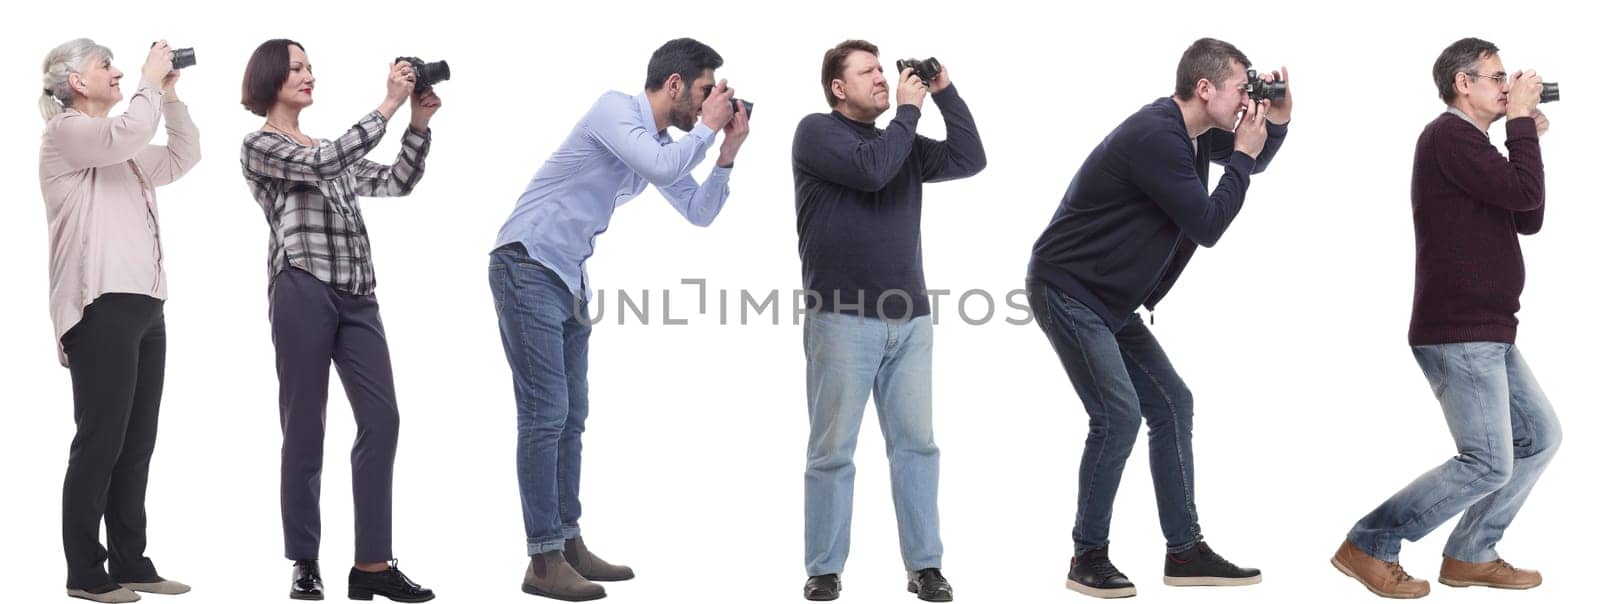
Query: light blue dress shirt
x,y
607,160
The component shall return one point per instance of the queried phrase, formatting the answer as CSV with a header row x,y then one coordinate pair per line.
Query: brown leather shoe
x,y
590,565
1499,574
550,576
1386,579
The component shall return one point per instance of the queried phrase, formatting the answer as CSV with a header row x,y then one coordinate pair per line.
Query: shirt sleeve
x,y
91,142
699,203
961,153
163,164
271,156
615,125
1220,146
1163,167
828,149
377,180
1468,160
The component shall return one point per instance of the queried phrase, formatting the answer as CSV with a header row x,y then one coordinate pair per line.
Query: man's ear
x,y
674,86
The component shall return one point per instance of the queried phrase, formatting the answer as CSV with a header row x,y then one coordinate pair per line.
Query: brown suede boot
x,y
1499,574
550,576
591,566
1386,579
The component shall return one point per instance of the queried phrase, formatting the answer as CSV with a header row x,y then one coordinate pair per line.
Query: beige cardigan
x,y
98,177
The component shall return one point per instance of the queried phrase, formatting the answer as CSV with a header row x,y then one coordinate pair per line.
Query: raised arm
x,y
91,142
827,148
960,154
613,123
398,179
163,164
275,156
1162,166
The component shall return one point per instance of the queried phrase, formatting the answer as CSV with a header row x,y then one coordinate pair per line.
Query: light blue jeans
x,y
1505,433
849,357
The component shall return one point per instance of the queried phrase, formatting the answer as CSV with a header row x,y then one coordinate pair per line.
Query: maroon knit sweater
x,y
1468,203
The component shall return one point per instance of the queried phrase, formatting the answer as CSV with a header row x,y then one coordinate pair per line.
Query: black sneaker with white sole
x,y
1199,566
1092,574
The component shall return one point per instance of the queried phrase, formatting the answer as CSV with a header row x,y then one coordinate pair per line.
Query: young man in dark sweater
x,y
1131,219
1469,204
858,201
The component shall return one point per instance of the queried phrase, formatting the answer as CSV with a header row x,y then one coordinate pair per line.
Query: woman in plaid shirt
x,y
322,305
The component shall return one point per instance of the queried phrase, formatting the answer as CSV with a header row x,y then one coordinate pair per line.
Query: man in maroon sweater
x,y
1469,204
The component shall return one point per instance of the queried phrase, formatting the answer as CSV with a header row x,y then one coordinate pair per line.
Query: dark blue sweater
x,y
1137,209
858,205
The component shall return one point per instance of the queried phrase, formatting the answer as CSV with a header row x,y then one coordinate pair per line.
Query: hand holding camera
x,y
911,90
399,86
717,110
1541,122
158,64
424,103
1523,99
1273,87
940,81
1250,136
733,136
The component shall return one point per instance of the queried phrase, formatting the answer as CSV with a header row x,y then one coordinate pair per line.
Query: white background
x,y
1291,332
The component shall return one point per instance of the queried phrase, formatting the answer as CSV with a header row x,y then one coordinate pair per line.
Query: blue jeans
x,y
545,332
1120,377
1505,433
849,357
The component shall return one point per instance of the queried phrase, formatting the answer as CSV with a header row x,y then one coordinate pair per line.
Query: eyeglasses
x,y
1498,79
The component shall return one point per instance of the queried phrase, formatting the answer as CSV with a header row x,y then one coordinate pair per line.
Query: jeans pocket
x,y
498,285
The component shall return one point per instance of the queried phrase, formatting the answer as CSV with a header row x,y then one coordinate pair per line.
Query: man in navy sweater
x,y
1131,219
1469,203
858,203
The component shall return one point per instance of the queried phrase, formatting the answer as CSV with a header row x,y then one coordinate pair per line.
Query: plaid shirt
x,y
309,196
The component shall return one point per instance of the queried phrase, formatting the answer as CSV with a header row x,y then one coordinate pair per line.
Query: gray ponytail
x,y
66,59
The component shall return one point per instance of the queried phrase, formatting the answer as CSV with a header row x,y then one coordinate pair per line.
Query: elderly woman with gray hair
x,y
98,175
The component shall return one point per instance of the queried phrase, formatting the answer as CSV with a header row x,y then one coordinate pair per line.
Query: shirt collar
x,y
1463,115
647,116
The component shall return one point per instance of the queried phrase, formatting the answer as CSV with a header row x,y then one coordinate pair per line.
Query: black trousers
x,y
313,324
117,355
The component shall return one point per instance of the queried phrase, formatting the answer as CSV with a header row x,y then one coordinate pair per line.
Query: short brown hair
x,y
1206,59
833,64
266,72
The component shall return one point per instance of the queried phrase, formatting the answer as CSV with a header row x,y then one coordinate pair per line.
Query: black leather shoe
x,y
929,585
306,583
1199,565
389,583
1093,574
822,588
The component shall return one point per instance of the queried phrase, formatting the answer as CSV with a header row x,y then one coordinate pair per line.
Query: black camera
x,y
749,107
926,69
1551,93
1260,90
427,74
181,57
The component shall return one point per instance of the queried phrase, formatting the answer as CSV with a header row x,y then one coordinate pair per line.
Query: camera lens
x,y
182,57
1551,92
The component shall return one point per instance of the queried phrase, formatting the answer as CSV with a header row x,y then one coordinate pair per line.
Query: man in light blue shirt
x,y
541,286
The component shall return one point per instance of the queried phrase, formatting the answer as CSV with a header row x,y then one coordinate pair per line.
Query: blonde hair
x,y
63,60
